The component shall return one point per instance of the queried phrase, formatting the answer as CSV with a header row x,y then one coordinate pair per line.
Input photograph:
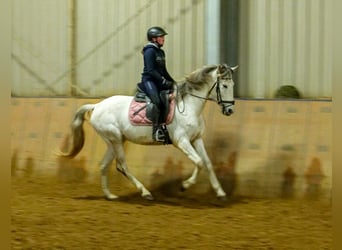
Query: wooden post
x,y
72,48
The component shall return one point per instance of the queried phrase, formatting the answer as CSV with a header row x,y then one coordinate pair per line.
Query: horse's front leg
x,y
199,147
185,146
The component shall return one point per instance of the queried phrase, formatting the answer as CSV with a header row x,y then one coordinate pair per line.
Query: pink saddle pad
x,y
140,119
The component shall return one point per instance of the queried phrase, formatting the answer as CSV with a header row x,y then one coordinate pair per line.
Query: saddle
x,y
141,108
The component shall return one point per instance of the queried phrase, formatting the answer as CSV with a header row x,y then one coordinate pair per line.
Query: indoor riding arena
x,y
272,156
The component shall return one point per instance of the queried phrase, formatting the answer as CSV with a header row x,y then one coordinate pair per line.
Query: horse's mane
x,y
196,79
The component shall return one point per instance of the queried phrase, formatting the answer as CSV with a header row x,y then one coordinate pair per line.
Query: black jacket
x,y
154,65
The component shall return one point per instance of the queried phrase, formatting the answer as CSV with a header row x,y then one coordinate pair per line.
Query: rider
x,y
155,76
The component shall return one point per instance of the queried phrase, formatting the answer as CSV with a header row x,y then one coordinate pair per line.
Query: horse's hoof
x,y
111,197
222,198
183,189
148,197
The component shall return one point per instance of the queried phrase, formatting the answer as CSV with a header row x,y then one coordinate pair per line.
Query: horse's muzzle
x,y
228,109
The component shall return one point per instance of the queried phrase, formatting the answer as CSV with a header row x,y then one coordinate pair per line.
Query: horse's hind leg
x,y
106,162
122,167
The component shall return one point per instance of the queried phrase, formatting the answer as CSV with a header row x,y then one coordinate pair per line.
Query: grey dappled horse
x,y
110,120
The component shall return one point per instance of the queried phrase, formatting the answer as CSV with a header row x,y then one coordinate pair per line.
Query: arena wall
x,y
93,48
268,148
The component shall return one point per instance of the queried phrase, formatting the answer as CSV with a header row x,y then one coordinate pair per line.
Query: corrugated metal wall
x,y
113,34
280,43
108,37
285,42
39,47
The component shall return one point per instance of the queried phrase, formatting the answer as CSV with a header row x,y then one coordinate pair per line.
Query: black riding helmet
x,y
155,32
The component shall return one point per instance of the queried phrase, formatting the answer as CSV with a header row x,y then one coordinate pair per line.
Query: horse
x,y
109,118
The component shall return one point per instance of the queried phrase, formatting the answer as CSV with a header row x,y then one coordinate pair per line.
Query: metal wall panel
x,y
39,47
111,38
93,48
281,42
285,42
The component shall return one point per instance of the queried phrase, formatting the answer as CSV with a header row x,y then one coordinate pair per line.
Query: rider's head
x,y
156,35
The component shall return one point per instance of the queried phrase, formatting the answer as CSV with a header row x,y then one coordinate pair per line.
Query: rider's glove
x,y
167,84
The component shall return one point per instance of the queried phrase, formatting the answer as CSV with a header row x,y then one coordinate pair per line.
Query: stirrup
x,y
159,135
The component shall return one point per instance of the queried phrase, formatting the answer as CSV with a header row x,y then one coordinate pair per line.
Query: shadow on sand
x,y
169,193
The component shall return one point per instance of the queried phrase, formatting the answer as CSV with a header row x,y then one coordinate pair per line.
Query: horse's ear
x,y
234,68
222,68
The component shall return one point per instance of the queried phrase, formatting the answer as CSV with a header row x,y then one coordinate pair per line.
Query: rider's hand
x,y
167,84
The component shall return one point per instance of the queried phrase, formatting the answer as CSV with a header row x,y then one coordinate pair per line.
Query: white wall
x,y
39,47
108,40
286,42
280,42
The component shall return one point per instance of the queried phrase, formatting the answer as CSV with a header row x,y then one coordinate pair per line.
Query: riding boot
x,y
157,131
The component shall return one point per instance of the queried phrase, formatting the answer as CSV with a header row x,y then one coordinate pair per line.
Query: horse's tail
x,y
78,131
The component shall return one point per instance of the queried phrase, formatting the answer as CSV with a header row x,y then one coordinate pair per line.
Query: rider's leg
x,y
164,105
157,131
153,94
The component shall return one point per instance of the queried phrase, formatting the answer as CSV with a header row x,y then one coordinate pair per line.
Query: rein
x,y
218,95
200,97
207,98
218,99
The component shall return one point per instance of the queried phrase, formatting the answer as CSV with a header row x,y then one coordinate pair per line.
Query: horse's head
x,y
203,81
225,88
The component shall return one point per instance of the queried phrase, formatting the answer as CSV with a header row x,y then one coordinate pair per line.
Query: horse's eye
x,y
225,86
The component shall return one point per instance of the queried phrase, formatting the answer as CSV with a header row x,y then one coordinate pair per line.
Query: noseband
x,y
218,95
224,104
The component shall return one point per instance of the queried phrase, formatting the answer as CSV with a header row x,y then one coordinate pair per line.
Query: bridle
x,y
224,104
218,95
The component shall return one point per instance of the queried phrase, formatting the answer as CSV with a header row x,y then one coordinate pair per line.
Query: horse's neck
x,y
196,101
